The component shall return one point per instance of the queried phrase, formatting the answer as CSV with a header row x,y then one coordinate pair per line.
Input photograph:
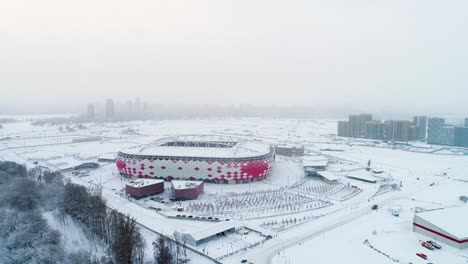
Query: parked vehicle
x,y
434,244
421,255
426,245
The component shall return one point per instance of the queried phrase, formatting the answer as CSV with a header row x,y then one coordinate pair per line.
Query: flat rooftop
x,y
452,220
140,183
182,185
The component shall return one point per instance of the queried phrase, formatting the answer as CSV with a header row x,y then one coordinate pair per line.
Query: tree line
x,y
25,236
118,231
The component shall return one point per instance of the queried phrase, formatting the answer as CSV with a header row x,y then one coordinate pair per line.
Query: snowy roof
x,y
451,220
202,146
314,158
181,185
212,230
140,183
64,163
107,156
328,175
362,175
314,161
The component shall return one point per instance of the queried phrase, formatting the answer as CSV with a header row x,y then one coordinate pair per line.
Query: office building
x,y
90,112
376,130
357,125
413,133
398,130
435,129
109,109
461,137
420,122
343,128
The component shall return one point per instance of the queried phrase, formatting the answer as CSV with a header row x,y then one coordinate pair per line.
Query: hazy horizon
x,y
395,57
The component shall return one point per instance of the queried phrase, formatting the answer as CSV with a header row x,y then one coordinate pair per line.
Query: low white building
x,y
448,226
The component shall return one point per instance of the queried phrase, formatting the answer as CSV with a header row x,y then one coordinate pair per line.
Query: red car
x,y
421,255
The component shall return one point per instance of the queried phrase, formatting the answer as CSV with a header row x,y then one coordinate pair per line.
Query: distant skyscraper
x,y
357,125
434,130
109,109
137,105
90,111
398,130
376,130
343,128
420,122
461,136
439,133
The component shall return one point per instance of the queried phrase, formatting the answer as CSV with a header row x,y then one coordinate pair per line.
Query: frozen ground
x,y
430,176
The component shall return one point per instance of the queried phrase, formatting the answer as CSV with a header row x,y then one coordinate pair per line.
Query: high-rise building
x,y
357,125
413,133
90,112
448,136
466,122
439,133
343,128
109,109
376,130
434,130
461,136
420,122
398,130
137,105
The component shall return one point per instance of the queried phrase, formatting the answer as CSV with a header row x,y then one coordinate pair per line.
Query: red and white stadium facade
x,y
211,158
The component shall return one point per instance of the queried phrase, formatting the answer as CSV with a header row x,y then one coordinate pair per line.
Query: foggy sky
x,y
394,55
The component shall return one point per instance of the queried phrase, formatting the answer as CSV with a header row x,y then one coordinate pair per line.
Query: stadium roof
x,y
451,220
208,146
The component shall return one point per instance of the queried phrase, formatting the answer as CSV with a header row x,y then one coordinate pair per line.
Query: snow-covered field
x,y
314,220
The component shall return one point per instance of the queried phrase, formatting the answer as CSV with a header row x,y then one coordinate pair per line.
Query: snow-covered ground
x,y
287,202
73,237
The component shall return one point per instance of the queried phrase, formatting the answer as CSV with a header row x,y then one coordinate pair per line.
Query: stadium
x,y
210,158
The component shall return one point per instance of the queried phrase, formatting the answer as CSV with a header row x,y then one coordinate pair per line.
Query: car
x,y
426,245
421,255
209,217
177,216
244,261
190,216
434,244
